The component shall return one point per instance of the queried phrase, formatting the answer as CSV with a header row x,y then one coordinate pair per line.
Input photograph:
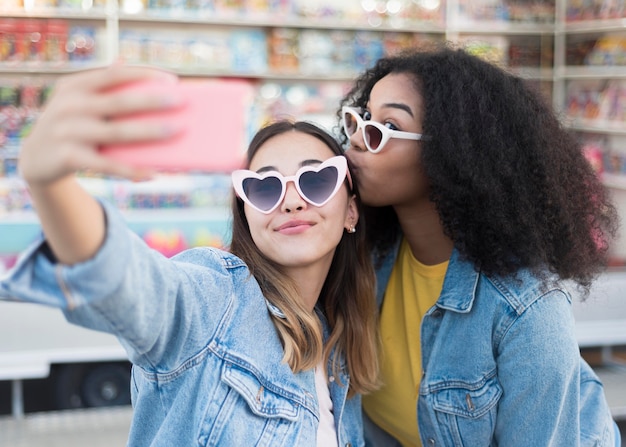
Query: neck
x,y
423,231
310,281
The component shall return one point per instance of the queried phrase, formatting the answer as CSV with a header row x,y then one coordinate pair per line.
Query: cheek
x,y
337,216
397,160
391,178
256,223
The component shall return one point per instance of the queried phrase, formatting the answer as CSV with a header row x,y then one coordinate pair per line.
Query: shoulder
x,y
210,257
523,289
467,289
501,298
532,311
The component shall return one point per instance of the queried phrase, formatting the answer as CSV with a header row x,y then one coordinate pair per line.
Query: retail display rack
x,y
300,56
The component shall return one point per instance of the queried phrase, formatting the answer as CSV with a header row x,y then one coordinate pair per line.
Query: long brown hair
x,y
347,298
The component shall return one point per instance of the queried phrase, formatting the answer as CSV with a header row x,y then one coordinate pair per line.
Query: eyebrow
x,y
309,162
397,105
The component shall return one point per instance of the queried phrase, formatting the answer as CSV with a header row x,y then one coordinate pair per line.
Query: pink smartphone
x,y
213,117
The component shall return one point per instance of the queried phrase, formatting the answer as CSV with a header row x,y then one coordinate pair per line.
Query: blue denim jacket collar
x,y
460,282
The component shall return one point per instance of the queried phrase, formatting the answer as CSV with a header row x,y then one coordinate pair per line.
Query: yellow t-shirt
x,y
413,288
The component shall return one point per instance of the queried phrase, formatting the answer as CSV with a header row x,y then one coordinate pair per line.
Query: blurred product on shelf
x,y
166,242
201,191
45,42
510,51
595,149
257,52
602,101
282,44
7,261
530,53
609,49
606,154
599,50
170,241
375,13
494,49
20,105
577,50
153,209
13,197
539,11
595,10
614,162
248,48
42,5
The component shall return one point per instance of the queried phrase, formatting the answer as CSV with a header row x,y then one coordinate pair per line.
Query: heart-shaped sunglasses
x,y
315,184
375,134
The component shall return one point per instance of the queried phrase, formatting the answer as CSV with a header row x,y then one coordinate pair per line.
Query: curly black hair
x,y
512,186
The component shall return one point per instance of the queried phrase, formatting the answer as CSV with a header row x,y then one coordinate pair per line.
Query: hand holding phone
x,y
213,118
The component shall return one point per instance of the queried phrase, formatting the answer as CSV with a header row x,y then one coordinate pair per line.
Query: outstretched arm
x,y
77,119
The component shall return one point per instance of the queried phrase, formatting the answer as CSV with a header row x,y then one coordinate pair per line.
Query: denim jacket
x,y
501,366
207,367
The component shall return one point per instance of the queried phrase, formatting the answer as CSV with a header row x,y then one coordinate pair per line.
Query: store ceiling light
x,y
430,5
394,6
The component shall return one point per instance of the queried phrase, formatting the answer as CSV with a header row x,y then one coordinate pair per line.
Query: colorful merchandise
x,y
609,49
41,42
595,10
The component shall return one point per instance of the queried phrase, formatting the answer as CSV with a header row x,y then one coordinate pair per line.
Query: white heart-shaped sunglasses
x,y
375,135
315,184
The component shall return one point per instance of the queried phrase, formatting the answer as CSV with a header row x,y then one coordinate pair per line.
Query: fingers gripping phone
x,y
213,117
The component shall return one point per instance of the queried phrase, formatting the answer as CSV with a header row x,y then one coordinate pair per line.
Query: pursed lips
x,y
353,166
294,226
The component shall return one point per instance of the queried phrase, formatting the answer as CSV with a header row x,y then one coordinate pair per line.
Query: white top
x,y
326,432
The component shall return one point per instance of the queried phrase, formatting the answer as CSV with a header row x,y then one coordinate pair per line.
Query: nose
x,y
356,141
292,200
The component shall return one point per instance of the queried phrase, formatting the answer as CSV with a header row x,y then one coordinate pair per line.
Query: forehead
x,y
287,152
397,88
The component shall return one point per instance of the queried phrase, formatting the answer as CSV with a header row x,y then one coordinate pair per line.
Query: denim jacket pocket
x,y
244,412
261,401
466,412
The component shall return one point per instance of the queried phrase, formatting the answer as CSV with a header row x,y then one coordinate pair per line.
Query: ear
x,y
352,216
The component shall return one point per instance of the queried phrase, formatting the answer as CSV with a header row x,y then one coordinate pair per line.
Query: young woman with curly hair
x,y
480,209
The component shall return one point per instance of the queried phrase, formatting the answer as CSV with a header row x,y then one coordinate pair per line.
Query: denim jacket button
x,y
431,441
437,313
349,444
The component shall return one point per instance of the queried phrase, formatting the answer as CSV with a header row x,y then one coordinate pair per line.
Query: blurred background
x,y
58,382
